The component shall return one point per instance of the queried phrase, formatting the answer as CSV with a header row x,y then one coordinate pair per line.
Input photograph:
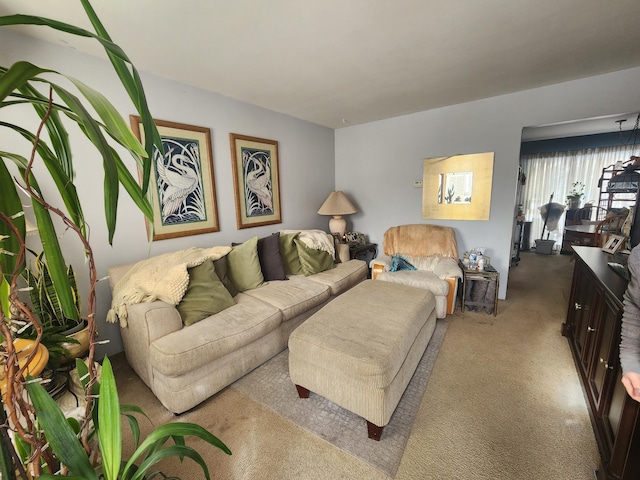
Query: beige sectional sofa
x,y
186,364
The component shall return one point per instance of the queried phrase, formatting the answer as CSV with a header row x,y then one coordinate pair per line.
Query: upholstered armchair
x,y
423,256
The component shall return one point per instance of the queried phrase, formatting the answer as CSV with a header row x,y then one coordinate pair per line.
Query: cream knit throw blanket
x,y
164,277
317,239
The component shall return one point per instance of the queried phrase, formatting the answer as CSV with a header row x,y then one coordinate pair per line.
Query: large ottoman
x,y
362,348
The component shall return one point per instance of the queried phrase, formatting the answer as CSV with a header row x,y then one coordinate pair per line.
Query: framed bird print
x,y
256,181
182,181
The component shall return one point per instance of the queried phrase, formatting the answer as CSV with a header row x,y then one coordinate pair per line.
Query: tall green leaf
x,y
5,290
114,123
58,136
172,451
109,433
7,470
17,76
63,27
174,429
59,434
64,183
92,130
132,83
11,205
53,255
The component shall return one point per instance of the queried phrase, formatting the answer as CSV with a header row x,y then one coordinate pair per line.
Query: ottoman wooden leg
x,y
375,432
302,392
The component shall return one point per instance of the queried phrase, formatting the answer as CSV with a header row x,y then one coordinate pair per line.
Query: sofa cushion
x,y
244,265
205,295
289,253
270,258
417,278
443,267
215,336
342,277
313,260
294,297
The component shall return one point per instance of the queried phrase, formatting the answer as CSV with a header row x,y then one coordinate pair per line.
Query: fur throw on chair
x,y
421,240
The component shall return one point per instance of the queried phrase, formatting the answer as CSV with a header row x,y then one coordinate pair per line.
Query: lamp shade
x,y
337,203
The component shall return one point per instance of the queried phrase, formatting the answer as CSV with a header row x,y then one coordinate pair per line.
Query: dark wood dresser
x,y
593,331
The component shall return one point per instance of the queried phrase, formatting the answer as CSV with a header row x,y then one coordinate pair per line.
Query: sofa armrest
x,y
383,260
447,267
146,323
380,264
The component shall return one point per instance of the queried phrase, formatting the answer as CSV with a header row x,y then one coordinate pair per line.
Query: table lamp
x,y
337,204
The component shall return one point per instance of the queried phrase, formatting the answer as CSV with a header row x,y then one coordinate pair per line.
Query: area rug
x,y
271,386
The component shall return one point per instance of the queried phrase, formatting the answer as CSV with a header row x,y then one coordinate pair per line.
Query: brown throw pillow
x,y
270,257
221,268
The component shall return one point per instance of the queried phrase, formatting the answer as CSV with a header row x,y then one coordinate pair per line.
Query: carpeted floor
x,y
503,403
271,386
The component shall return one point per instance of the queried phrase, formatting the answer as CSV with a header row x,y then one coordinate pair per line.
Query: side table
x,y
480,281
365,251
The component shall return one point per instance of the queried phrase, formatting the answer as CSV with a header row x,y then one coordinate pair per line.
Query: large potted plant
x,y
24,85
574,197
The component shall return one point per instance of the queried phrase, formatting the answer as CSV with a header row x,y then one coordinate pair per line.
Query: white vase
x,y
574,203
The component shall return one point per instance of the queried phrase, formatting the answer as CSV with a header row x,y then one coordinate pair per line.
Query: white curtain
x,y
553,173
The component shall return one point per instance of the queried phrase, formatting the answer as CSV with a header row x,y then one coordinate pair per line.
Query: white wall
x,y
376,163
306,154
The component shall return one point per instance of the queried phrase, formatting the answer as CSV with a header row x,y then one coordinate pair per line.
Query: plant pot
x,y
574,203
77,350
545,247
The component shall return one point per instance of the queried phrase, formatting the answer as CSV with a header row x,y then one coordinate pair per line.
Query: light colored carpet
x,y
271,386
503,403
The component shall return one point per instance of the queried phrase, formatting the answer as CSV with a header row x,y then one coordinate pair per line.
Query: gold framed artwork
x,y
457,187
182,181
256,180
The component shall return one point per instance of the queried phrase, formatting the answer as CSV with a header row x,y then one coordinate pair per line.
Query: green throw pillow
x,y
313,260
289,253
243,265
205,295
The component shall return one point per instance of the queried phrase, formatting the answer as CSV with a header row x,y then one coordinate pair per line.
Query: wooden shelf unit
x,y
608,200
592,328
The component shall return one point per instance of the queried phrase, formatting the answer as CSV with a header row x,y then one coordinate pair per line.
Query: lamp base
x,y
338,225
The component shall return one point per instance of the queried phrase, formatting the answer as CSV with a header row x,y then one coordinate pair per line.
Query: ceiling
x,y
338,63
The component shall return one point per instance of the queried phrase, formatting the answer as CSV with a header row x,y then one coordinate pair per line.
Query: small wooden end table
x,y
489,275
